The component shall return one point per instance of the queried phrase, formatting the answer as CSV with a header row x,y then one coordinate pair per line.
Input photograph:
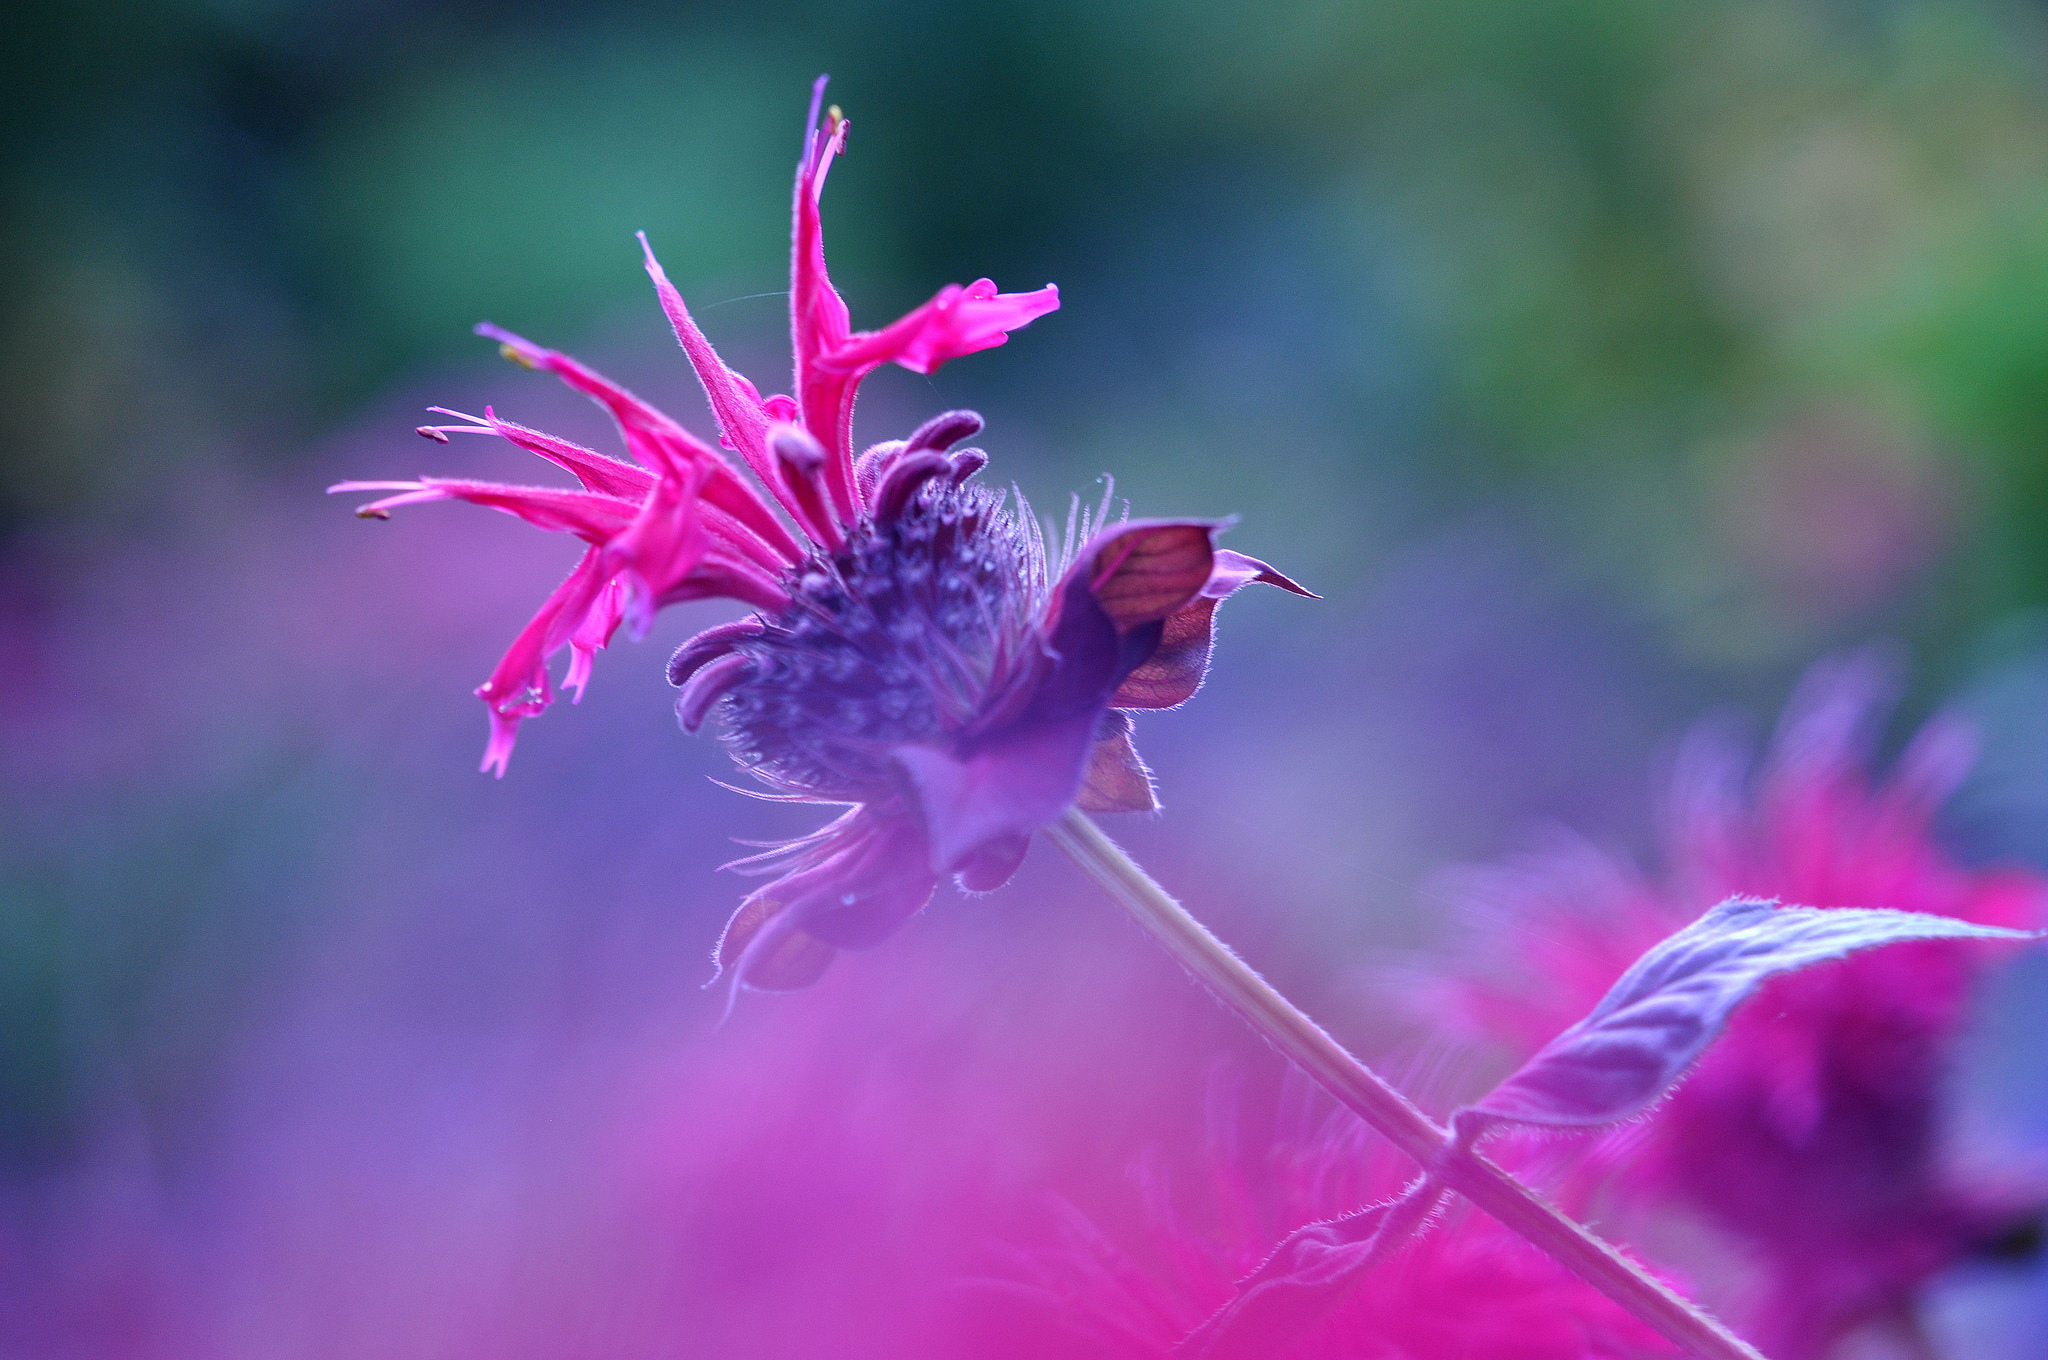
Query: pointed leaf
x,y
1117,780
1675,1000
1277,1304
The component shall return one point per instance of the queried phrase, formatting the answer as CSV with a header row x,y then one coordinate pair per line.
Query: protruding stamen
x,y
902,479
707,687
429,432
966,462
708,646
868,468
943,431
800,464
795,447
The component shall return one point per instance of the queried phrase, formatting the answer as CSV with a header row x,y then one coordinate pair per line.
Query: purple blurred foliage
x,y
351,1051
1464,1286
1813,1134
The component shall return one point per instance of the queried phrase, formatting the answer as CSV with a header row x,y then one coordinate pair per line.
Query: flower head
x,y
919,654
1810,1131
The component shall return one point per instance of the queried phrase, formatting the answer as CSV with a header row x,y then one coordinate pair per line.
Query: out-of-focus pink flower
x,y
1463,1287
920,656
1810,1131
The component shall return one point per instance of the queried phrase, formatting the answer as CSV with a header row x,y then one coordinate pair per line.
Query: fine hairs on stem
x,y
1369,1096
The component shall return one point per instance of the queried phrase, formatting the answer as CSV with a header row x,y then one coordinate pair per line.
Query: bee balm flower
x,y
919,656
1811,1132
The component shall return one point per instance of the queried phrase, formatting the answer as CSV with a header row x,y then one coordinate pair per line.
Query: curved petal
x,y
653,436
994,864
707,686
957,321
589,515
734,401
711,644
1175,670
660,549
518,688
831,359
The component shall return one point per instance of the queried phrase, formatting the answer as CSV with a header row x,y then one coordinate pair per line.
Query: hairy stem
x,y
1404,1218
1380,1105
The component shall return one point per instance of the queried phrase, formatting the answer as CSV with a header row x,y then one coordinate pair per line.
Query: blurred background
x,y
1602,363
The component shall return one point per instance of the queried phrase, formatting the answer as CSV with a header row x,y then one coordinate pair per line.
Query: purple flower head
x,y
1810,1132
919,654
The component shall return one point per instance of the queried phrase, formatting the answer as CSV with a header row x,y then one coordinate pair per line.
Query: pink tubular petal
x,y
518,688
659,442
819,321
736,404
597,472
957,321
593,635
587,514
654,437
660,550
831,359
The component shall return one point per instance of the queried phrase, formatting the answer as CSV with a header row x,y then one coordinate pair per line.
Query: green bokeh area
x,y
1628,263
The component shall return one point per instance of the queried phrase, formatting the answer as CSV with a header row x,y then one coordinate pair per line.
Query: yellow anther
x,y
515,356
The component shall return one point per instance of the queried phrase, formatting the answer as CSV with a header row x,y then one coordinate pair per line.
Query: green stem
x,y
1380,1105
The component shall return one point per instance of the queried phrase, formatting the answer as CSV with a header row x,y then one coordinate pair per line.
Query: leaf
x,y
1117,780
1279,1302
1657,1020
